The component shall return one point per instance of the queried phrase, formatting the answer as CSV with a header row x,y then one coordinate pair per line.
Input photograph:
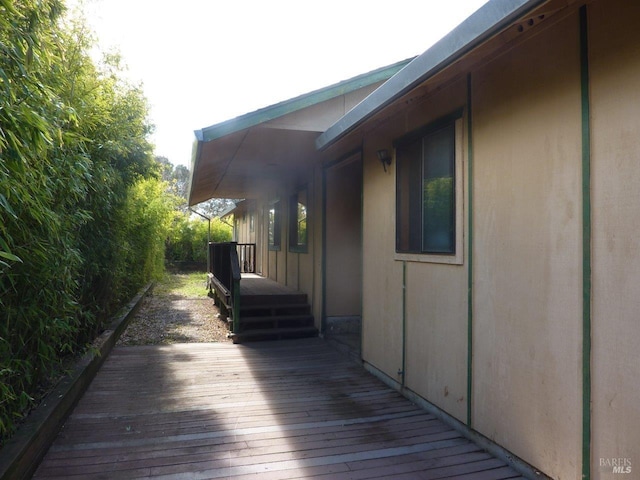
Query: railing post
x,y
210,253
234,284
236,306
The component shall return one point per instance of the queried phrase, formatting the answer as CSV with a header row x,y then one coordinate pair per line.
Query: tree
x,y
178,177
187,236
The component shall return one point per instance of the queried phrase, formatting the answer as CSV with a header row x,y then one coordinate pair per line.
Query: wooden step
x,y
275,322
273,334
285,299
274,309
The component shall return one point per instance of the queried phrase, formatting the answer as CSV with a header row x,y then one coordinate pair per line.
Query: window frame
x,y
294,242
457,257
274,228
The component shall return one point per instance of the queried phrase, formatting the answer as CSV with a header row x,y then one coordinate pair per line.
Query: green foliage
x,y
187,237
188,233
83,217
146,218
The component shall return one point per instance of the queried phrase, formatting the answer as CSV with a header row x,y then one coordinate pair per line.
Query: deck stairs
x,y
274,317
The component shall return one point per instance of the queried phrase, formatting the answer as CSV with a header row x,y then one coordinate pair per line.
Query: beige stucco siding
x,y
382,275
615,107
527,251
435,307
436,350
436,311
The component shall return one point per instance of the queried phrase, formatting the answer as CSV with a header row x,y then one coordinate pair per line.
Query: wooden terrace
x,y
269,410
258,308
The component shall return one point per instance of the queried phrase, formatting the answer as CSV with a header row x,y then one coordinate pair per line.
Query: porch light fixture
x,y
385,158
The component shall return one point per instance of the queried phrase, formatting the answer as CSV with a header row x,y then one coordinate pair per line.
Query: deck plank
x,y
257,285
279,410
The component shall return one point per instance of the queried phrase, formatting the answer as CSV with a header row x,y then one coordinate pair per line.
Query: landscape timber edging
x,y
22,454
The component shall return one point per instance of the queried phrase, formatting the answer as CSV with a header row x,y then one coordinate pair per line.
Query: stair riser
x,y
272,300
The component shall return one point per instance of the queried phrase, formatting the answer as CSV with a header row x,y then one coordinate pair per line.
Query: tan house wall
x,y
318,117
615,107
242,230
381,274
436,293
527,286
435,306
435,310
527,312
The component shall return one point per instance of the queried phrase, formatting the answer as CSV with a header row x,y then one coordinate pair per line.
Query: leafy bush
x,y
187,238
83,217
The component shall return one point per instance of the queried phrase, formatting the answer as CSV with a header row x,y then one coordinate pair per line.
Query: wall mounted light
x,y
384,157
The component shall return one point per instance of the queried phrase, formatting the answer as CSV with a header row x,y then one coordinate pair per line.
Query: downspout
x,y
586,245
323,314
469,255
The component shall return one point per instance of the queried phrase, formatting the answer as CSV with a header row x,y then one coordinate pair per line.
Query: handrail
x,y
225,267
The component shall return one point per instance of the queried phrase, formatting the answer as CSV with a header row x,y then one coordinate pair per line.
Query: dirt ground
x,y
173,315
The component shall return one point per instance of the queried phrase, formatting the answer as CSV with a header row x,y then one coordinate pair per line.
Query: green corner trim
x,y
469,255
404,323
323,267
586,246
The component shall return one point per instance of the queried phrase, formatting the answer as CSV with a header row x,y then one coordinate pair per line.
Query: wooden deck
x,y
252,284
269,410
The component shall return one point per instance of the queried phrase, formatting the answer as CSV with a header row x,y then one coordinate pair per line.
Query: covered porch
x,y
257,308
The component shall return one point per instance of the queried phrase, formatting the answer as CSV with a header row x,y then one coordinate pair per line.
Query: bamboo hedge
x,y
83,214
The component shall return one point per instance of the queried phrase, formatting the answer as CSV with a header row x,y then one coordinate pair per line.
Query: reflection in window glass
x,y
298,222
425,192
274,226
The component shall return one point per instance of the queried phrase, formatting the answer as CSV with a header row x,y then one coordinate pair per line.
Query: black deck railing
x,y
225,267
247,257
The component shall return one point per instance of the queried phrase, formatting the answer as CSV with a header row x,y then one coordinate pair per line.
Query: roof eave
x,y
195,157
480,26
297,103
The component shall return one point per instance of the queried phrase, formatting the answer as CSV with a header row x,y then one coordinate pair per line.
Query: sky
x,y
201,62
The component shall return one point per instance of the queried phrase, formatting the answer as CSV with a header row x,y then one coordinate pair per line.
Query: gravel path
x,y
171,316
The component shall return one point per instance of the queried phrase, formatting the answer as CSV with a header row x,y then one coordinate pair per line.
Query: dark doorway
x,y
343,252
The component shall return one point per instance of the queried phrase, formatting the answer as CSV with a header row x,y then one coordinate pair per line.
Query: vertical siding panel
x,y
614,48
527,311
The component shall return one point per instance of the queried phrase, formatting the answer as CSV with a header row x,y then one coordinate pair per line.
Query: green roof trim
x,y
298,103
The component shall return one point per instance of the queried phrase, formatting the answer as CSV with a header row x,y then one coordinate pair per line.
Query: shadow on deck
x,y
268,410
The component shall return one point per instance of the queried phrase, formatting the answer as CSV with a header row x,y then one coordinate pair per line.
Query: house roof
x,y
234,157
239,207
490,19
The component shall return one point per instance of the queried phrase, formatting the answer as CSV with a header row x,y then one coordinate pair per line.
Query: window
x,y
274,230
298,222
429,190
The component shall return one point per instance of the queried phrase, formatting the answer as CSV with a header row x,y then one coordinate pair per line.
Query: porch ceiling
x,y
248,162
274,146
